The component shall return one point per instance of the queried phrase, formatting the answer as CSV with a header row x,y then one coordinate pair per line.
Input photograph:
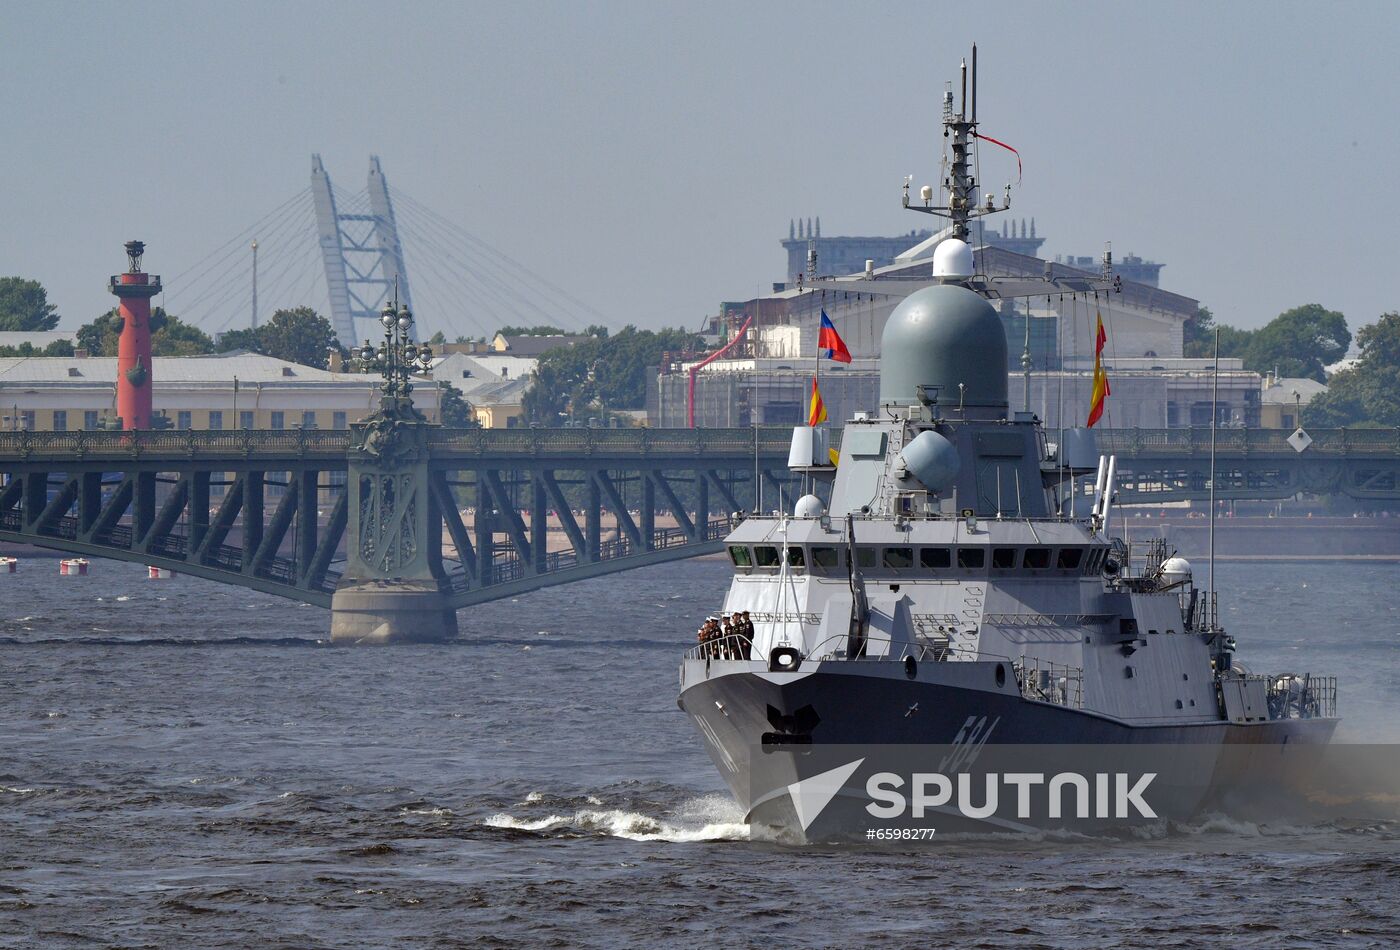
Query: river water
x,y
188,764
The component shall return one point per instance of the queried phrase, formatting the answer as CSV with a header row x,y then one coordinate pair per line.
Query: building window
x,y
245,419
338,420
90,419
183,419
308,419
278,420
60,420
26,420
216,419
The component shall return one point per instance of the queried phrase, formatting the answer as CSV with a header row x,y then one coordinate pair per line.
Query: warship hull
x,y
743,710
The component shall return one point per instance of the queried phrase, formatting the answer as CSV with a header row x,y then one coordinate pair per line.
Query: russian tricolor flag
x,y
830,342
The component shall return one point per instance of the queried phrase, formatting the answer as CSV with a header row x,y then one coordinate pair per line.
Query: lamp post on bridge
x,y
389,592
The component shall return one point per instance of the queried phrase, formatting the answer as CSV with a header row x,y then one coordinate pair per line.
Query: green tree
x,y
541,330
170,336
56,348
24,306
1199,337
300,335
1367,394
453,409
599,375
1299,342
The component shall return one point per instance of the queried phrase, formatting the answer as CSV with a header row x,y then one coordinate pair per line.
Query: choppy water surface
x,y
187,764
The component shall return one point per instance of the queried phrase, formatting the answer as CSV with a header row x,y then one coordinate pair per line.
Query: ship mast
x,y
959,128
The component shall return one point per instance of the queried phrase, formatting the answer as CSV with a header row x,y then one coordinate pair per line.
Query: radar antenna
x,y
960,128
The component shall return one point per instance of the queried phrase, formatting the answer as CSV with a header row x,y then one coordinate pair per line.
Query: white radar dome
x,y
1176,569
952,260
808,506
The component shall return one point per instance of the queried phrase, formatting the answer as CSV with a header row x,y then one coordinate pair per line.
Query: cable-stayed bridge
x,y
344,252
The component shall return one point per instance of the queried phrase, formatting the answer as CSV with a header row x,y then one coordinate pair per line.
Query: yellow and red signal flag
x,y
816,411
1101,389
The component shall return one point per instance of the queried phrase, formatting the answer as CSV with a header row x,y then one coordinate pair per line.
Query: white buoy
x,y
73,567
158,573
8,564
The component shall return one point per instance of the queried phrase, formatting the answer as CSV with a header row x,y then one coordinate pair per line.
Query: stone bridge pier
x,y
393,589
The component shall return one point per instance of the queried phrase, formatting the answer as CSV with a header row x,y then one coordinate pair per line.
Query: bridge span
x,y
499,512
476,514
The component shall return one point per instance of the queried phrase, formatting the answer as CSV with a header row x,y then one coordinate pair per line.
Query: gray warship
x,y
937,585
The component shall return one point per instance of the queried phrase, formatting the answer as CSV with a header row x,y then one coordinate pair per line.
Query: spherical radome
x,y
952,260
941,336
808,506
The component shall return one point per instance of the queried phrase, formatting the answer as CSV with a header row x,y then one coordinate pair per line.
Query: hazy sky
x,y
648,156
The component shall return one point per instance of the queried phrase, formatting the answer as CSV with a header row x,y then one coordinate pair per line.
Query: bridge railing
x,y
1195,441
176,443
629,443
572,443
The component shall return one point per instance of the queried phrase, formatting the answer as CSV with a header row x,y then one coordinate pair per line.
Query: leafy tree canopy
x,y
541,330
1298,342
600,375
24,306
56,348
1368,394
170,336
300,335
453,409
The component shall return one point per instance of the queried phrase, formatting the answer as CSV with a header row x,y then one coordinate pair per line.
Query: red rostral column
x,y
134,289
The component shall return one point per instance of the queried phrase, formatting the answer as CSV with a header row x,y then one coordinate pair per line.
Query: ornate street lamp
x,y
396,359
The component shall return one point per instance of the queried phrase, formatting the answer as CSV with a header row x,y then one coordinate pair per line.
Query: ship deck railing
x,y
734,646
1047,682
1293,696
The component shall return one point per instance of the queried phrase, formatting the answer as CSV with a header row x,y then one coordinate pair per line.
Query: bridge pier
x,y
390,592
383,612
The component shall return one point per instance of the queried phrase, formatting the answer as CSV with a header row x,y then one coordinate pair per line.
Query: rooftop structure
x,y
533,346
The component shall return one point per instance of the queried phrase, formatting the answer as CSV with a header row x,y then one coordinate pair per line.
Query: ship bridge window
x,y
796,557
1004,559
865,557
826,559
1070,558
899,557
973,559
740,556
765,555
935,559
1036,559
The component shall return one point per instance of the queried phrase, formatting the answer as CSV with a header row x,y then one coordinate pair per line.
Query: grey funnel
x,y
941,336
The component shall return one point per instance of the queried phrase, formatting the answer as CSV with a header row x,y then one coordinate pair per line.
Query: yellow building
x,y
229,391
1283,401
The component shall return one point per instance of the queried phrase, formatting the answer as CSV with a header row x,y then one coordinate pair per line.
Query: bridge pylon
x,y
362,254
394,589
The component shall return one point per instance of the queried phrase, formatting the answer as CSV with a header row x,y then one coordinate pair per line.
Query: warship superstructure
x,y
938,586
